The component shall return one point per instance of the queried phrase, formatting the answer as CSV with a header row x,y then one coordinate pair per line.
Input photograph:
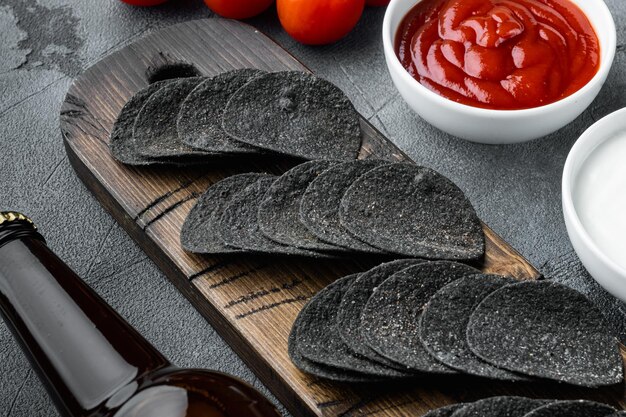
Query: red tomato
x,y
377,2
238,9
318,22
144,2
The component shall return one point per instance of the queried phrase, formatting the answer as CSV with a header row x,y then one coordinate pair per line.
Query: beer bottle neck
x,y
83,350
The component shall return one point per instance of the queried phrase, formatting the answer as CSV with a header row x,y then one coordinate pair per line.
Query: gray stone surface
x,y
45,43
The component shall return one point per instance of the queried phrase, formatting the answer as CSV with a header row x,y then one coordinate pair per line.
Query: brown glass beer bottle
x,y
91,361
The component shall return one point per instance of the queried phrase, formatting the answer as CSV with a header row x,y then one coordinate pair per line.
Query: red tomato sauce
x,y
499,54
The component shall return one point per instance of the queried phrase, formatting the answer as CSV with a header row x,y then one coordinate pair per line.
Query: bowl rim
x,y
578,151
606,62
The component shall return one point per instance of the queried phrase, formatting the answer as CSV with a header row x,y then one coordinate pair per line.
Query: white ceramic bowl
x,y
604,270
498,126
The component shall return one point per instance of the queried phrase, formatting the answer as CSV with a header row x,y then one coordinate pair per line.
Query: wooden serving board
x,y
251,301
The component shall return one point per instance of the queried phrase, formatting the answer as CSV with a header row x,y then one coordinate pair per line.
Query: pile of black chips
x,y
330,208
527,407
236,114
410,318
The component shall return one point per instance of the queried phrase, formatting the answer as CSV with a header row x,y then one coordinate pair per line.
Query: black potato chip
x,y
443,324
547,330
296,114
500,407
278,215
319,370
444,411
326,372
318,339
121,142
390,317
412,211
154,131
319,208
200,233
239,228
353,302
199,122
578,408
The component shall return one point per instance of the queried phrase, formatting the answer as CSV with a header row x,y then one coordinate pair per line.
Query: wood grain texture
x,y
251,301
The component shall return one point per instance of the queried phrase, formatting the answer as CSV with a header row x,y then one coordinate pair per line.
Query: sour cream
x,y
599,197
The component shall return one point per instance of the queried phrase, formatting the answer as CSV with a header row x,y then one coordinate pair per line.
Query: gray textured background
x,y
45,43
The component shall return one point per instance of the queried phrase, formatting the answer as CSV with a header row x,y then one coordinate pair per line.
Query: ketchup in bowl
x,y
499,54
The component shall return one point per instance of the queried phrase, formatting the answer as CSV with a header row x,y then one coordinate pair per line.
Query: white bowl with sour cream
x,y
594,201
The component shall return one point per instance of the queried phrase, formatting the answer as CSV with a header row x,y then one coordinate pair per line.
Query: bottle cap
x,y
14,225
14,216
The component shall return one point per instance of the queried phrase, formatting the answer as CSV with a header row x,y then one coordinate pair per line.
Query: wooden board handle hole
x,y
165,67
